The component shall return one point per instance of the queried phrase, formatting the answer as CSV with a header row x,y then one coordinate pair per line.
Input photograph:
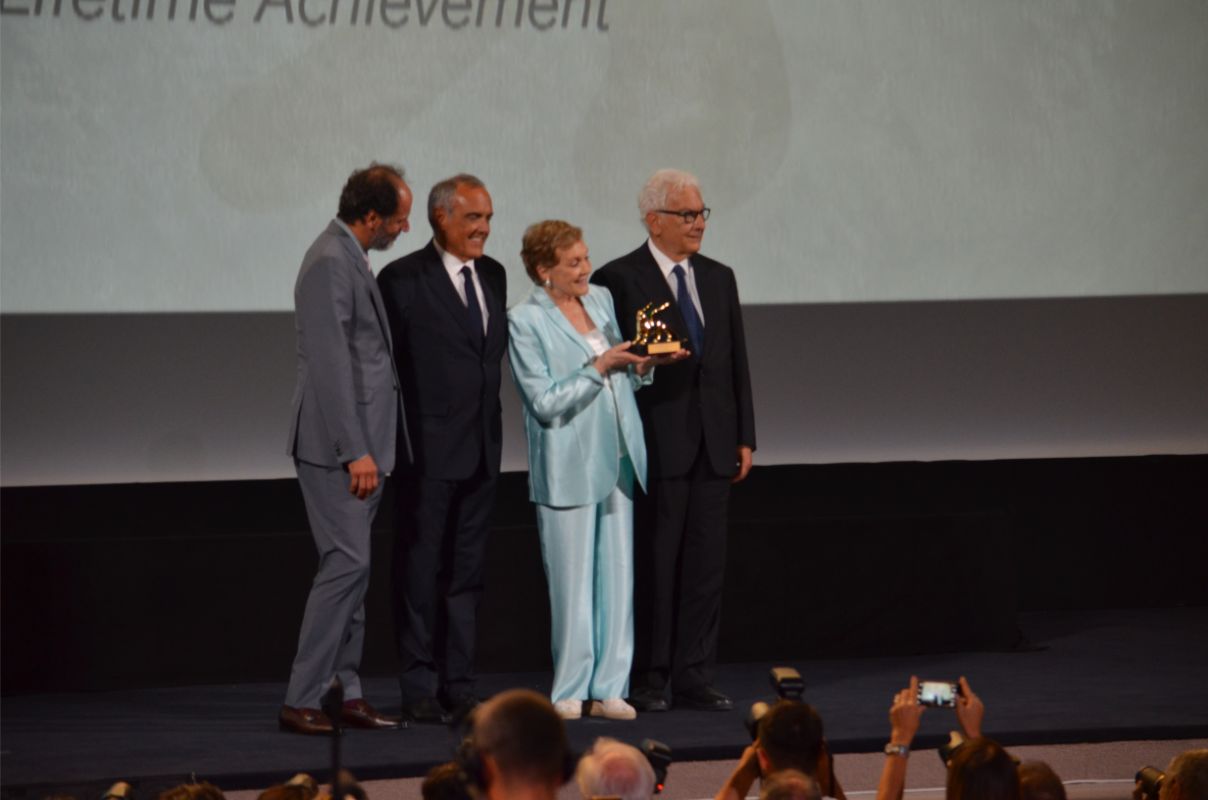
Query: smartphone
x,y
938,693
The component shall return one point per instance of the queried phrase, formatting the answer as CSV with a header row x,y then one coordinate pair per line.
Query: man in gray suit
x,y
342,438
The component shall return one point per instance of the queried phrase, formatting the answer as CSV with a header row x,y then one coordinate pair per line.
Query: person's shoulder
x,y
527,309
332,243
409,266
525,320
715,273
490,265
493,274
625,263
700,260
329,255
599,293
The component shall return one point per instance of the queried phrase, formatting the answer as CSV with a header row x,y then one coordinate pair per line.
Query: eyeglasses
x,y
687,216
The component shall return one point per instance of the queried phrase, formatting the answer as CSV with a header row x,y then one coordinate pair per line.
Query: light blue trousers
x,y
588,556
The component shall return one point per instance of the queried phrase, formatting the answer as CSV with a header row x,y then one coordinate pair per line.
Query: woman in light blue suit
x,y
586,449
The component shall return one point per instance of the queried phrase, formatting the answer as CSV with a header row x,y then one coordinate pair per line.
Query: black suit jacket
x,y
449,373
709,395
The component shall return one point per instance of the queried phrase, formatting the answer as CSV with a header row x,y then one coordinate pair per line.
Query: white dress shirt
x,y
667,265
453,266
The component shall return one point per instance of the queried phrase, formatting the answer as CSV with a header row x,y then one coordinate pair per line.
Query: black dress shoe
x,y
426,710
649,700
460,704
703,698
359,714
303,720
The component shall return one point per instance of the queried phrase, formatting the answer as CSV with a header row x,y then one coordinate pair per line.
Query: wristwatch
x,y
902,750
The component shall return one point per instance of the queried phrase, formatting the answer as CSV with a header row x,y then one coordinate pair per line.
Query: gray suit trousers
x,y
333,627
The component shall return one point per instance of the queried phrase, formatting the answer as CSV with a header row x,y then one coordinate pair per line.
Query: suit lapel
x,y
654,285
437,278
712,298
360,268
560,321
599,315
379,308
375,295
651,281
497,320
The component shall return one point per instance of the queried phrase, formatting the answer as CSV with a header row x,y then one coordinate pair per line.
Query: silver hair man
x,y
442,194
661,184
789,784
615,769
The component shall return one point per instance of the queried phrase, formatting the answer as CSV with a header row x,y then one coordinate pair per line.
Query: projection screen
x,y
992,192
179,155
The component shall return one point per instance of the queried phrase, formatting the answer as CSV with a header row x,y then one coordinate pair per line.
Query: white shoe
x,y
615,708
569,709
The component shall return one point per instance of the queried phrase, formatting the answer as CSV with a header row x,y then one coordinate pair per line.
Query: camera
x,y
941,694
659,756
789,685
1151,779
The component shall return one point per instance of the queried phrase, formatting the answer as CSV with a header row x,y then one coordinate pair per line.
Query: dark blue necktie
x,y
472,308
696,331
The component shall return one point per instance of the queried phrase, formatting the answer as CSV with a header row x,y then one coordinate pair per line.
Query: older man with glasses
x,y
700,433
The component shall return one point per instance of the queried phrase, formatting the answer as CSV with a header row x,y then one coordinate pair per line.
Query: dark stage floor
x,y
1100,676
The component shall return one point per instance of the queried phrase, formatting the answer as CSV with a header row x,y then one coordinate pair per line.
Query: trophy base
x,y
656,348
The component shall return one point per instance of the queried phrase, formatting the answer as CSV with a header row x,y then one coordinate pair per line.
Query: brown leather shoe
x,y
359,714
303,720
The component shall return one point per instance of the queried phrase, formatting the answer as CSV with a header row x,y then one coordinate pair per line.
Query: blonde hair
x,y
542,241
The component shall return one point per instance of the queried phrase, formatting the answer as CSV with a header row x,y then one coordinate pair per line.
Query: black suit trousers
x,y
439,555
682,539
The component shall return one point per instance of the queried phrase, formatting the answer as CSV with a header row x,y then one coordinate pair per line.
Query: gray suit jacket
x,y
346,403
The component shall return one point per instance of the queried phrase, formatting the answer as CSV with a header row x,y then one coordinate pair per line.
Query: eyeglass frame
x,y
686,216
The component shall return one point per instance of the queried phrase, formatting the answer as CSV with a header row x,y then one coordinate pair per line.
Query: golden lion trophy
x,y
652,336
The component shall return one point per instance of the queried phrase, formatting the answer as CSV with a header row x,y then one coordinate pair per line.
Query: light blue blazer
x,y
573,427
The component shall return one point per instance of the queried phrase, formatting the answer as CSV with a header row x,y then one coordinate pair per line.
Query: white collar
x,y
452,263
665,263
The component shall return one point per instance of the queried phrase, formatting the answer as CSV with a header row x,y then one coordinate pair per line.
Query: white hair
x,y
790,784
661,184
615,769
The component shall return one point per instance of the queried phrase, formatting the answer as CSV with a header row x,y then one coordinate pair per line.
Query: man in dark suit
x,y
700,433
342,437
446,305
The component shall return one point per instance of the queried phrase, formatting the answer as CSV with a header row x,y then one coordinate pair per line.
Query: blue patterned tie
x,y
472,307
696,331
